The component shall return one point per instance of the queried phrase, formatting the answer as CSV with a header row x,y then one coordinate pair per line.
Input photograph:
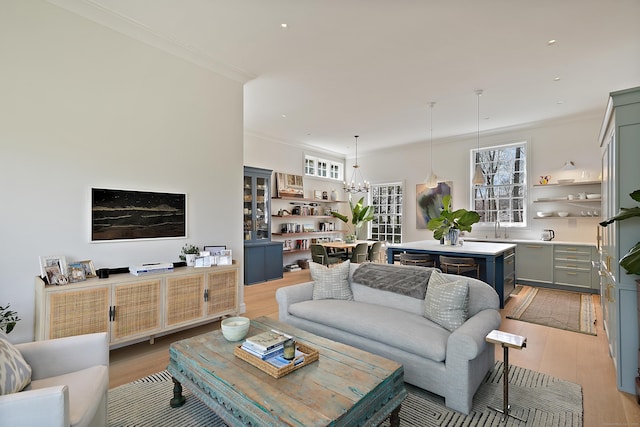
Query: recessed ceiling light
x,y
552,42
560,102
284,26
284,116
555,79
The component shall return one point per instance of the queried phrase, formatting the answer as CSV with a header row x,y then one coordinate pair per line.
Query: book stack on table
x,y
269,346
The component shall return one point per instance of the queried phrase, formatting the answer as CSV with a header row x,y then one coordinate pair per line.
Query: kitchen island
x,y
497,260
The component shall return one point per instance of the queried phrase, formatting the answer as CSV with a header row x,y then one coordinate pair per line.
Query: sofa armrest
x,y
43,407
50,358
468,341
290,295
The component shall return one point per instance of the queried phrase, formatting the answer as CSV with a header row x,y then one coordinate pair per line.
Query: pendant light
x,y
432,179
356,186
478,176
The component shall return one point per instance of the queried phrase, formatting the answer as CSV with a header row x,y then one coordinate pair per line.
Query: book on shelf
x,y
280,362
265,341
277,351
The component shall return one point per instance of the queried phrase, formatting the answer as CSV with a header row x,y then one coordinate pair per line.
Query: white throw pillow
x,y
446,302
15,372
331,283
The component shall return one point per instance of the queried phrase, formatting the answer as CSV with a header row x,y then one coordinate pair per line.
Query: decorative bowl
x,y
544,214
235,328
563,214
594,196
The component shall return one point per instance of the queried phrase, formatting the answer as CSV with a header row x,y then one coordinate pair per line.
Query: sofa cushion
x,y
331,282
447,302
405,331
86,389
15,372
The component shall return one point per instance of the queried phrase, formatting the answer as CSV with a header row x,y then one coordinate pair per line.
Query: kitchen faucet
x,y
496,229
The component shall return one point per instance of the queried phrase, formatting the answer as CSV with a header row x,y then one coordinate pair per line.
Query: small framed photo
x,y
225,257
53,261
76,272
215,250
54,276
88,268
317,194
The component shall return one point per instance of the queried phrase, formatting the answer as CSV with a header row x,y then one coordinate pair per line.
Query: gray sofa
x,y
450,364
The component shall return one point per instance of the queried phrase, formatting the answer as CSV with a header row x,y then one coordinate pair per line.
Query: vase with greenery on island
x,y
360,215
189,253
631,261
450,223
8,319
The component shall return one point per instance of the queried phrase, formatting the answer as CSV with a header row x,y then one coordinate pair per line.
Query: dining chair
x,y
360,253
459,265
319,255
375,252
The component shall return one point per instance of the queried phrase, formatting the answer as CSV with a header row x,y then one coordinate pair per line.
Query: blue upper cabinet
x,y
256,205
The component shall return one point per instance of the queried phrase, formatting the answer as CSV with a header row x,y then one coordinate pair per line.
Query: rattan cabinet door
x,y
137,309
184,299
222,292
82,311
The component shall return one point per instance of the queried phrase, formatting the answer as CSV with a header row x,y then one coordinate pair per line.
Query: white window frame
x,y
496,200
388,213
323,168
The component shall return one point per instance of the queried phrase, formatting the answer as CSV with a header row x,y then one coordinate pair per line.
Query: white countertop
x,y
532,241
469,247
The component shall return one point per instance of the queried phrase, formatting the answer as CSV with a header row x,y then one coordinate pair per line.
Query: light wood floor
x,y
575,357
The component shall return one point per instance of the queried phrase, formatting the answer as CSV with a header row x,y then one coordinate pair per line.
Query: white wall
x,y
550,145
83,106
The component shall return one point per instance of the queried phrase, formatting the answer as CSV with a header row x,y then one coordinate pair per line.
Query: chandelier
x,y
357,185
432,179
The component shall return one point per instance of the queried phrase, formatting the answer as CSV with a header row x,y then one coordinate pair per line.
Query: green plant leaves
x,y
631,261
461,219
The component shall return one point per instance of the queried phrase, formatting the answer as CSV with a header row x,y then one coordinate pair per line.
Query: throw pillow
x,y
331,283
446,302
15,372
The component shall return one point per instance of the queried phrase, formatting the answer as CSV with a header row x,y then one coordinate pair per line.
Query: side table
x,y
507,341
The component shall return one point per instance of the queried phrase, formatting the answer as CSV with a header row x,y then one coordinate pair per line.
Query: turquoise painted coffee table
x,y
345,387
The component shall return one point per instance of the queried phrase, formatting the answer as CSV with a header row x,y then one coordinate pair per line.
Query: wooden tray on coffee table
x,y
310,356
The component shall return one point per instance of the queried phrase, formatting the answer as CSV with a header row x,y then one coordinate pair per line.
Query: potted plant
x,y
8,319
450,223
189,253
631,261
360,214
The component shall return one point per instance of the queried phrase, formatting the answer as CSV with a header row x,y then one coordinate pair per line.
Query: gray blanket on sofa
x,y
401,279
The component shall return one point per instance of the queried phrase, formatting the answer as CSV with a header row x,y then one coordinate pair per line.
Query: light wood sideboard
x,y
132,308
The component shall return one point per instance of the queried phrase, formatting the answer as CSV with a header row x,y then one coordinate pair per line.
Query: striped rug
x,y
538,398
571,311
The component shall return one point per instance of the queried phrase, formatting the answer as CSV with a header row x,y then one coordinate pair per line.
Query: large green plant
x,y
631,261
360,214
460,219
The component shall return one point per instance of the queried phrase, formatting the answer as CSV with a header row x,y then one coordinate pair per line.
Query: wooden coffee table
x,y
345,387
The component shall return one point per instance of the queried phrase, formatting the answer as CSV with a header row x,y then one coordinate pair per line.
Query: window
x,y
503,196
322,168
386,200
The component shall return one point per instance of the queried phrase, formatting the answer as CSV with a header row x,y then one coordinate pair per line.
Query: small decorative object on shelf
x,y
189,253
544,179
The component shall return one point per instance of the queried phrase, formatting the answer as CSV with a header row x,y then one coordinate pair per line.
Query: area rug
x,y
539,399
571,311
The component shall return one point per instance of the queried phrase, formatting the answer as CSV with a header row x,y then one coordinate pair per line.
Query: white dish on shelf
x,y
565,181
593,196
563,214
544,214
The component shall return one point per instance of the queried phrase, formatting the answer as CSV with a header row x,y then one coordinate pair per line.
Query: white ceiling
x,y
371,67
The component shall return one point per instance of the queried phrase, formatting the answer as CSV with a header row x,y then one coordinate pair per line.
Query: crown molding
x,y
131,28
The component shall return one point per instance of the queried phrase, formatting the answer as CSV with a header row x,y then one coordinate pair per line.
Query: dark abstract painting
x,y
127,214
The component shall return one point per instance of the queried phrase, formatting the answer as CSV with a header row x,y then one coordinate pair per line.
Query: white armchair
x,y
69,384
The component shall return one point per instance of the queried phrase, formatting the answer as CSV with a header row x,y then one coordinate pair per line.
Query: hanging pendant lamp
x,y
478,176
356,185
432,179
